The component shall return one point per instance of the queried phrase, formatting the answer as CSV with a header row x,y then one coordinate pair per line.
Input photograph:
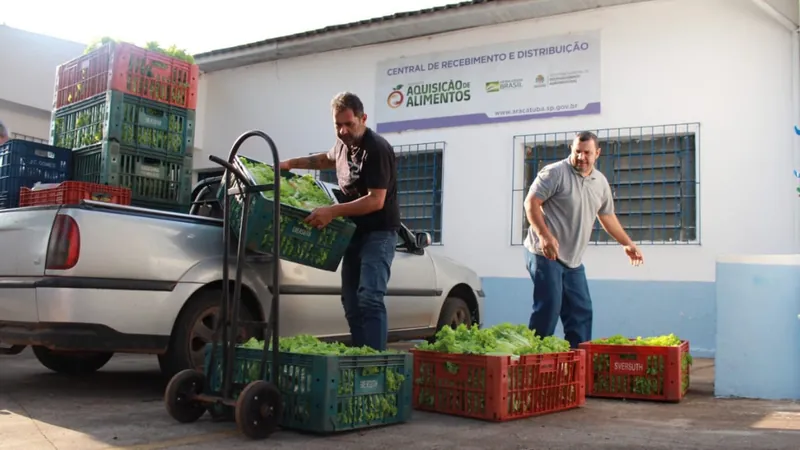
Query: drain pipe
x,y
795,30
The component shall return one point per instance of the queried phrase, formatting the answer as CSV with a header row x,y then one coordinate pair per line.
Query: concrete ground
x,y
121,407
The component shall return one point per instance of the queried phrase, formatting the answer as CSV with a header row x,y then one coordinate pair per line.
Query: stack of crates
x,y
128,114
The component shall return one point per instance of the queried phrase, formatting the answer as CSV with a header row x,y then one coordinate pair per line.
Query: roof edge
x,y
348,26
413,25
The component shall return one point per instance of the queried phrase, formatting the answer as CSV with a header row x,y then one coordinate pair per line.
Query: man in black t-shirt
x,y
365,167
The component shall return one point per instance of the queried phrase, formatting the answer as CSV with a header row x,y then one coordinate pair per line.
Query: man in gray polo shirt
x,y
561,206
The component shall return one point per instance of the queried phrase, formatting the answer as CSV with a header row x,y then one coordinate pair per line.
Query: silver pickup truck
x,y
79,283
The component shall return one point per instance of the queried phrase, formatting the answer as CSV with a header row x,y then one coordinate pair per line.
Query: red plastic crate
x,y
498,388
637,372
124,67
72,192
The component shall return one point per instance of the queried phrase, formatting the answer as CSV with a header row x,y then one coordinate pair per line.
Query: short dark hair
x,y
584,136
347,100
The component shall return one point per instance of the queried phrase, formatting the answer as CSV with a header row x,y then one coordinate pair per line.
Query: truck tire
x,y
454,312
71,363
193,330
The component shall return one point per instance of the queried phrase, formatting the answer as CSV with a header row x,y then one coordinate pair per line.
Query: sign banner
x,y
551,77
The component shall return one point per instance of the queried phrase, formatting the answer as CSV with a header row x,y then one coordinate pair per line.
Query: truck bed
x,y
142,244
106,272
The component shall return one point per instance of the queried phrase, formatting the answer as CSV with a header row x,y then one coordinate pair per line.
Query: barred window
x,y
653,175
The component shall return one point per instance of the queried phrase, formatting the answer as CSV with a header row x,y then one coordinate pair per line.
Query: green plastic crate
x,y
300,243
166,182
149,127
326,394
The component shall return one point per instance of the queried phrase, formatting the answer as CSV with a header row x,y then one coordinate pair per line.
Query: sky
x,y
191,25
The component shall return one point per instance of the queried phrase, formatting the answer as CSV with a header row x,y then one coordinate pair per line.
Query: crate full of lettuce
x,y
326,387
300,243
652,368
497,374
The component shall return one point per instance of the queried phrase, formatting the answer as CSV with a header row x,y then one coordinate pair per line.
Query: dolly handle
x,y
230,167
276,160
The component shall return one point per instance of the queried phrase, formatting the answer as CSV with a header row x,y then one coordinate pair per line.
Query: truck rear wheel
x,y
194,329
71,363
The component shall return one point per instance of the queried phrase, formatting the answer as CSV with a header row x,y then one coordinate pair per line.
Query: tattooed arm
x,y
320,161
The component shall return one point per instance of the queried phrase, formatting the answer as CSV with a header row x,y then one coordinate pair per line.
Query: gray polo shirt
x,y
571,205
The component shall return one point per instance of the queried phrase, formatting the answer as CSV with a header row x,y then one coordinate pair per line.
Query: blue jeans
x,y
559,291
366,268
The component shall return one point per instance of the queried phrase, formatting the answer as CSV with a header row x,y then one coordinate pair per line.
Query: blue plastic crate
x,y
24,163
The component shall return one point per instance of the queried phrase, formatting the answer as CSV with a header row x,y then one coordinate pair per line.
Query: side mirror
x,y
422,240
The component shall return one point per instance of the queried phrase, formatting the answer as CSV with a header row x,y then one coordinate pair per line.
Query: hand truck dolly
x,y
259,406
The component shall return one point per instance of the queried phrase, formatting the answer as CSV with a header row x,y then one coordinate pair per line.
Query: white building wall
x,y
25,121
722,63
695,66
26,93
38,56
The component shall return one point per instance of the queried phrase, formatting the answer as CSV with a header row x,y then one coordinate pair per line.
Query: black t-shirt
x,y
369,165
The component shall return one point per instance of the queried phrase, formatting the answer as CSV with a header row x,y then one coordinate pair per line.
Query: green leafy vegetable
x,y
502,339
654,379
669,340
309,345
173,51
299,191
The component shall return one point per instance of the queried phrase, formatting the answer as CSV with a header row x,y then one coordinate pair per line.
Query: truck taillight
x,y
64,247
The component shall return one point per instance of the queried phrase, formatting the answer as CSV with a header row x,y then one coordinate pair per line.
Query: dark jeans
x,y
559,291
366,268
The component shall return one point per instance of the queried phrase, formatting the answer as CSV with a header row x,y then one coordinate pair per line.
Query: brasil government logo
x,y
396,97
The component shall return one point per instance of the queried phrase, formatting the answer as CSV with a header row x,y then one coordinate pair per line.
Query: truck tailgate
x,y
24,235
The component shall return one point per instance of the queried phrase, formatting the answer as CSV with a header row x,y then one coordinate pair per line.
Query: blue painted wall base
x,y
631,308
758,331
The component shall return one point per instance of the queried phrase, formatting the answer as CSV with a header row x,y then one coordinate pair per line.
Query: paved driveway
x,y
121,408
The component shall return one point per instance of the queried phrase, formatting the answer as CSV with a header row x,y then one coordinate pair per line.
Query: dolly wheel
x,y
258,409
178,396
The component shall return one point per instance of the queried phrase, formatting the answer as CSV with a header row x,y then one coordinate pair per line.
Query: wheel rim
x,y
459,316
186,390
179,396
263,409
258,409
267,410
203,333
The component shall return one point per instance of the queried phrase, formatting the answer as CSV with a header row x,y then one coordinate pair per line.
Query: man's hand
x,y
320,217
549,246
612,226
634,254
284,165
